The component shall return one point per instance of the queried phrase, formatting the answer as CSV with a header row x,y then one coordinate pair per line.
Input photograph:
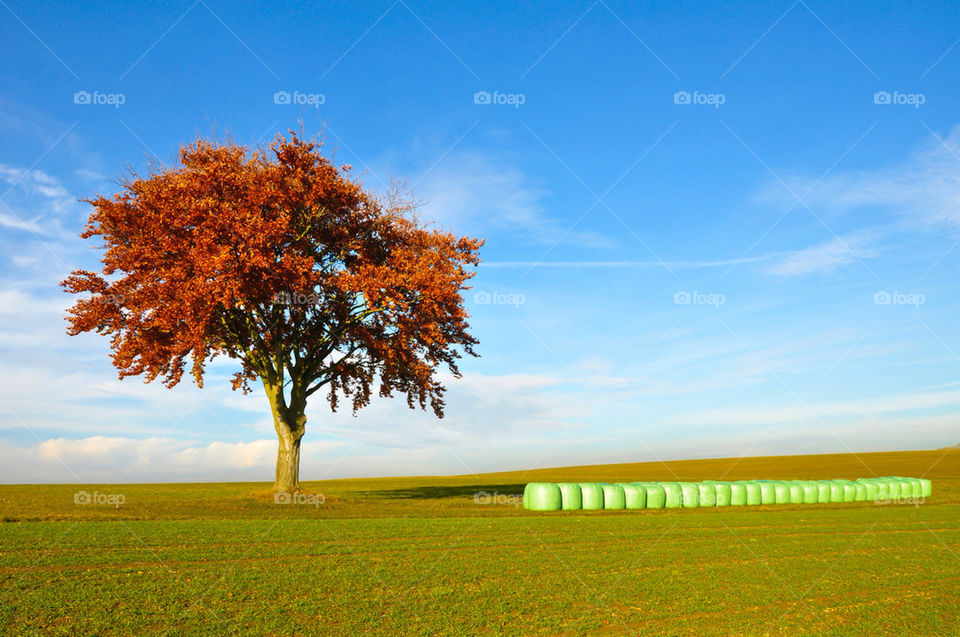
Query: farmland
x,y
456,555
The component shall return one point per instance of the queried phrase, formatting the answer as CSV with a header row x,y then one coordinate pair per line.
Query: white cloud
x,y
923,189
477,194
795,412
40,202
116,458
673,265
827,256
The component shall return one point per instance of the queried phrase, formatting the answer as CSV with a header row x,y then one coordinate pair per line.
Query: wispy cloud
x,y
827,256
673,265
923,189
117,458
748,416
479,194
35,201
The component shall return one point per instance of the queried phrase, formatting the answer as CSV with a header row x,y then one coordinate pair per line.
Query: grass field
x,y
421,556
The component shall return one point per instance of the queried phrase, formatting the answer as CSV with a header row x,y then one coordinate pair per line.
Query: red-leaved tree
x,y
278,260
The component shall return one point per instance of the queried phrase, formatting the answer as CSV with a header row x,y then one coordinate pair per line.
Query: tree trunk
x,y
287,479
290,423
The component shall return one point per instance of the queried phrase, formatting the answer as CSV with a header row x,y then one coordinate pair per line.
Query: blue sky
x,y
711,231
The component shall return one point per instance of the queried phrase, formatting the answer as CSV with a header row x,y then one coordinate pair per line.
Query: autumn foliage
x,y
278,259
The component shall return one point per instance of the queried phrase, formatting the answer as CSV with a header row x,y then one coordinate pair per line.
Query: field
x,y
425,556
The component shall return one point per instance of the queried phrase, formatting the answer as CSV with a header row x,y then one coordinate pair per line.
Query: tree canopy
x,y
278,259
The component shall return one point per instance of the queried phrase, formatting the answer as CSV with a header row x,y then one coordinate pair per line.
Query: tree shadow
x,y
439,491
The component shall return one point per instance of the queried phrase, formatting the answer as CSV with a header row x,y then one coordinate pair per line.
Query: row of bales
x,y
550,496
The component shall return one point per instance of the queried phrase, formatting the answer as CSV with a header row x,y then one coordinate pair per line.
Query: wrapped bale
x,y
570,499
796,492
754,495
634,495
591,495
917,487
871,488
541,496
738,494
707,494
836,491
861,494
926,487
768,492
656,496
906,488
849,490
673,495
811,492
823,490
690,493
883,490
613,497
903,488
781,492
895,492
724,493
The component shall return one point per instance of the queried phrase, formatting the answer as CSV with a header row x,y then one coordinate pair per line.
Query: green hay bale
x,y
541,496
781,493
849,490
861,494
591,495
926,487
673,495
823,490
895,492
690,494
910,488
811,492
707,494
724,493
738,494
796,492
634,495
871,488
916,485
883,490
768,492
656,496
570,498
906,489
754,495
836,492
721,490
613,496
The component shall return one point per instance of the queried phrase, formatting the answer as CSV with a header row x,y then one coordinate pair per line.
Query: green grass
x,y
417,556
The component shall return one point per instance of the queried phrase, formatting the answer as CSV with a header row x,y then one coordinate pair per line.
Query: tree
x,y
276,258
